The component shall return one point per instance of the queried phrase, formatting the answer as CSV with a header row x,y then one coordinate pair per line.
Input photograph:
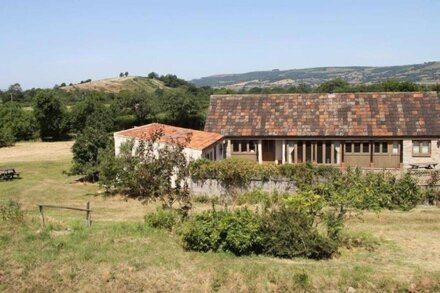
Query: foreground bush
x,y
238,232
281,233
289,234
162,219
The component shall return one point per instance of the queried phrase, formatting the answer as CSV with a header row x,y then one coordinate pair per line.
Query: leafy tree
x,y
336,85
126,73
91,112
153,75
173,81
50,116
183,109
393,85
6,137
86,149
16,92
148,172
20,124
121,74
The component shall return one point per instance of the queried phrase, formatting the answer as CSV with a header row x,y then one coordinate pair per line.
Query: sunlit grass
x,y
119,252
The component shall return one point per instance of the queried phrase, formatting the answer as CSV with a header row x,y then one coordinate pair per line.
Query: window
x,y
384,147
252,146
328,153
300,152
365,147
348,147
357,147
377,147
308,151
421,148
319,153
395,148
243,146
235,146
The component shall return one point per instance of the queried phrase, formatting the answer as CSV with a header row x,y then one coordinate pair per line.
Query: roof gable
x,y
340,114
199,139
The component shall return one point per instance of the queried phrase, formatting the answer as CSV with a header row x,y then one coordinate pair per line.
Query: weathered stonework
x,y
409,158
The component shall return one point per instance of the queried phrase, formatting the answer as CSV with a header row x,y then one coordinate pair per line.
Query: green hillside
x,y
426,73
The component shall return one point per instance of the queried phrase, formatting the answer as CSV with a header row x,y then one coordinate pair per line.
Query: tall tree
x,y
14,93
50,115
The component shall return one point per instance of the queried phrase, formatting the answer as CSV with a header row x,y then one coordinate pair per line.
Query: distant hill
x,y
426,73
117,84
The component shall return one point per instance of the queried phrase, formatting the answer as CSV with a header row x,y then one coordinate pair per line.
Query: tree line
x,y
55,114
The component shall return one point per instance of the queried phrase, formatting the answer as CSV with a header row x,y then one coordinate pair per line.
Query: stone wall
x,y
408,157
213,188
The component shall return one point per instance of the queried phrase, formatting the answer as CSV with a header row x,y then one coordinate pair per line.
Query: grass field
x,y
119,253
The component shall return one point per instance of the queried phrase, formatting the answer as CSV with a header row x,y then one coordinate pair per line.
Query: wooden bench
x,y
423,165
9,174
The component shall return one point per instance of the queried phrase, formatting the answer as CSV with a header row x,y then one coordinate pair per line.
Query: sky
x,y
43,43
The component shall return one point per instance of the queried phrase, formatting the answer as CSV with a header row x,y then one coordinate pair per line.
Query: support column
x,y
283,152
228,148
289,152
295,151
260,152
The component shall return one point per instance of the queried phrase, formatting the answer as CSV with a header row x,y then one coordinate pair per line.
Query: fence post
x,y
88,214
42,215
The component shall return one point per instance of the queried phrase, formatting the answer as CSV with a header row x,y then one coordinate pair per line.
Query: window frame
x,y
420,144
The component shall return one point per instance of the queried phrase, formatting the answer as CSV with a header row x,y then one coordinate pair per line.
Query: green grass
x,y
389,251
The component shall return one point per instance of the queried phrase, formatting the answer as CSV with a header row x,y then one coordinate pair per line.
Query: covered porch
x,y
356,153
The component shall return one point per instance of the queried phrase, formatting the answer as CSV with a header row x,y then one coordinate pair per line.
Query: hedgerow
x,y
361,190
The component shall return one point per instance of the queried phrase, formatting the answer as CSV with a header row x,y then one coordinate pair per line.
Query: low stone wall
x,y
213,188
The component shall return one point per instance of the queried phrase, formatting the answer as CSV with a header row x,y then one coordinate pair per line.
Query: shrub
x,y
406,193
282,233
237,232
255,196
289,234
432,194
11,212
162,219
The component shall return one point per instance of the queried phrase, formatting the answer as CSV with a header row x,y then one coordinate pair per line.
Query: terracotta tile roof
x,y
341,114
199,139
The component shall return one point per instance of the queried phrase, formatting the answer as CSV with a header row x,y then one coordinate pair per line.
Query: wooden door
x,y
268,151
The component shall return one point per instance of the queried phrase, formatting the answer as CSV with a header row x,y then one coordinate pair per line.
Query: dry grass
x,y
36,151
115,85
119,253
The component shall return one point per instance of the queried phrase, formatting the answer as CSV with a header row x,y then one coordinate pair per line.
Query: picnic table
x,y
9,174
430,165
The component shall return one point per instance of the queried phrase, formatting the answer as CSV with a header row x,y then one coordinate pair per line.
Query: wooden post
x,y
42,215
88,214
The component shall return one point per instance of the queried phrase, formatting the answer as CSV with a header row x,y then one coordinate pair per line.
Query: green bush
x,y
289,234
255,196
11,212
282,233
406,193
237,232
162,219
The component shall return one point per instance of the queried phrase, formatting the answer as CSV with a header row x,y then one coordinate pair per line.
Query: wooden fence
x,y
87,210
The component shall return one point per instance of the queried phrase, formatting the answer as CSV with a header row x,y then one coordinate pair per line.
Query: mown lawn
x,y
119,253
